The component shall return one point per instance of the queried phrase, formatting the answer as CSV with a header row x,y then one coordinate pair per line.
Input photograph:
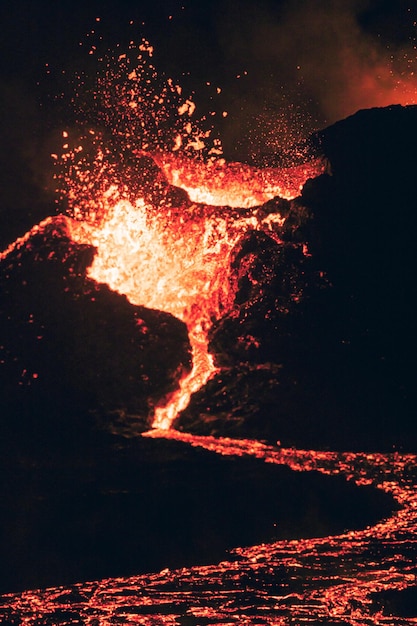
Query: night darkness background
x,y
286,68
299,63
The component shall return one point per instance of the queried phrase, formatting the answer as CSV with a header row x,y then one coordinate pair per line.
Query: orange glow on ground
x,y
326,580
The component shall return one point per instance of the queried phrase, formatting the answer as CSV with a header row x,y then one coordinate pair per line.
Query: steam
x,y
313,63
341,66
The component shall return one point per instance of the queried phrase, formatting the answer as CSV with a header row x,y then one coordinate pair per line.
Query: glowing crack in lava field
x,y
327,580
172,226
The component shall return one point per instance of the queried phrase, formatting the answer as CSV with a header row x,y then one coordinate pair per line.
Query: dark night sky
x,y
295,54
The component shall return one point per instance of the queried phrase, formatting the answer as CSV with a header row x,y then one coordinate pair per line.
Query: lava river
x,y
328,580
174,255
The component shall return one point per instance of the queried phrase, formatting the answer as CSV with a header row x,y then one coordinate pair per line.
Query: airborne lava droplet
x,y
162,251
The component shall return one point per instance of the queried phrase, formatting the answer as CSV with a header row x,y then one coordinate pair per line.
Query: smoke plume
x,y
311,63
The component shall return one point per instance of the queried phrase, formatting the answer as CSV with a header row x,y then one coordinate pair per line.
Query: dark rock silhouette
x,y
315,352
339,325
71,348
124,506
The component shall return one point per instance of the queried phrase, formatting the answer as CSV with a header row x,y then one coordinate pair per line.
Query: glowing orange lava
x,y
165,260
220,183
176,259
326,580
161,251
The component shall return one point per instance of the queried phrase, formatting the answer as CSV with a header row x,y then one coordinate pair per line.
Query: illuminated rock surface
x,y
322,347
71,347
300,361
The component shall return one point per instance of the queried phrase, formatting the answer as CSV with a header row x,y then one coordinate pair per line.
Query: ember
x,y
175,260
233,251
165,254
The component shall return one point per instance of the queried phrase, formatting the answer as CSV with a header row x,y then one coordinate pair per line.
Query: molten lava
x,y
176,259
235,184
169,261
154,245
160,248
318,580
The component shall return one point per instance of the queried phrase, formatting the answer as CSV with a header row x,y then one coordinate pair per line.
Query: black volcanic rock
x,y
128,506
401,603
268,280
70,346
339,322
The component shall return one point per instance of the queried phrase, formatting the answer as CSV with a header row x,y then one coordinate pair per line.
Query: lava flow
x,y
165,260
320,580
176,259
235,184
163,249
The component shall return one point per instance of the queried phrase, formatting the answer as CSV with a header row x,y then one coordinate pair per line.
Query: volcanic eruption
x,y
177,228
161,248
205,302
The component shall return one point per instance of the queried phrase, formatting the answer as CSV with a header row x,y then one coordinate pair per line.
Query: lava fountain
x,y
176,259
165,249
